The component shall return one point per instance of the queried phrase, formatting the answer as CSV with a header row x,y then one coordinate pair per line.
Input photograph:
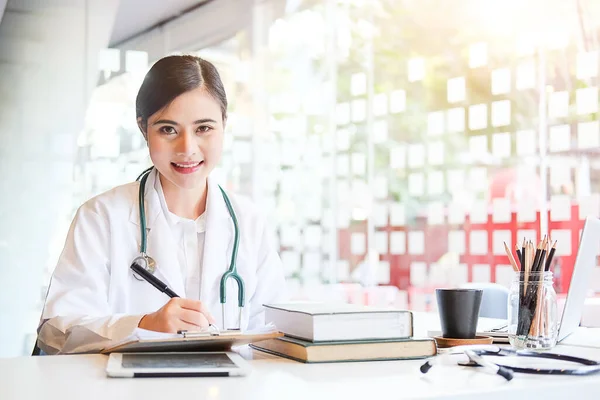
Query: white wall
x,y
48,68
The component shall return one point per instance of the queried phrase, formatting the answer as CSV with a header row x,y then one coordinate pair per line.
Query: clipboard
x,y
190,342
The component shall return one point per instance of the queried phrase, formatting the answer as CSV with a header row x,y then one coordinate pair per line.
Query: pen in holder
x,y
532,308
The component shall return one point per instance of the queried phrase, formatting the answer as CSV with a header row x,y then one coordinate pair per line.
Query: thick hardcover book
x,y
364,350
326,322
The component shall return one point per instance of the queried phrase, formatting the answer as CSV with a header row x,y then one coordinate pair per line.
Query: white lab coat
x,y
94,299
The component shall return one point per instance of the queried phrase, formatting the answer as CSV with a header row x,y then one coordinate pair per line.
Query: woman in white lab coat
x,y
95,299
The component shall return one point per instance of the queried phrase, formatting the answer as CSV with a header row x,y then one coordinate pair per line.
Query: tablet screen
x,y
183,360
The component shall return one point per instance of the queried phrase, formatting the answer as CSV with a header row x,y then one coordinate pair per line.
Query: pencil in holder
x,y
532,311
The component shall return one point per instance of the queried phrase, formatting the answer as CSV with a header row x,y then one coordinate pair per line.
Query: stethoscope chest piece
x,y
145,262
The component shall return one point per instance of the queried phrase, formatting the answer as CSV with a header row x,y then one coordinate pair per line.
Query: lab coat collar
x,y
215,205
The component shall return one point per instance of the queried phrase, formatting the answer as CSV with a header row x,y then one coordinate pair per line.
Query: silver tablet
x,y
149,365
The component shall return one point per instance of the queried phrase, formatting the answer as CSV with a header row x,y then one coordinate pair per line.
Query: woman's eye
x,y
204,128
169,130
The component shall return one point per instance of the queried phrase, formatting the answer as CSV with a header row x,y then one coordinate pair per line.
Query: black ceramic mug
x,y
459,312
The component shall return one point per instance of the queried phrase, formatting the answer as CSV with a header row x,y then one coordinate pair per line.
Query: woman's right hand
x,y
178,314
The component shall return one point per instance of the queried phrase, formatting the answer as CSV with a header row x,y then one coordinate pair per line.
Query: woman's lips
x,y
187,167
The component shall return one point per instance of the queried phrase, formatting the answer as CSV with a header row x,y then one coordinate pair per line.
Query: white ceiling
x,y
136,16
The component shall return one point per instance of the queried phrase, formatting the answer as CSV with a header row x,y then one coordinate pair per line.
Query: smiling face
x,y
185,139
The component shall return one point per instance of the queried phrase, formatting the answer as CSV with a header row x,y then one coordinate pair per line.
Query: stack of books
x,y
321,332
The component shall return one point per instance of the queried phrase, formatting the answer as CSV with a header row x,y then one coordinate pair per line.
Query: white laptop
x,y
582,272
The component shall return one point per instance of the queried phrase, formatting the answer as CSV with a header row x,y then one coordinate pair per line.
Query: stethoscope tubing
x,y
589,366
230,273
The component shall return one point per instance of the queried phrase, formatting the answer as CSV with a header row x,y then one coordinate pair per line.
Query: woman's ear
x,y
142,127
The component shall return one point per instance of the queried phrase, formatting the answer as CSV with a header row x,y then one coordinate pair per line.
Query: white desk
x,y
83,377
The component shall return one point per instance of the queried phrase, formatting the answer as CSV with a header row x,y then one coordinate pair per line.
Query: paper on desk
x,y
267,328
144,334
583,337
141,334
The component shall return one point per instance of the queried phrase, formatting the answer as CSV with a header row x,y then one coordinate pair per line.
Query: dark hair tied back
x,y
172,76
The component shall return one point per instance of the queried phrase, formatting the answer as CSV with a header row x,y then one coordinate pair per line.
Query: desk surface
x,y
83,377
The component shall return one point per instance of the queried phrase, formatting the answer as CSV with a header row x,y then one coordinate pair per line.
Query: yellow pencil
x,y
511,258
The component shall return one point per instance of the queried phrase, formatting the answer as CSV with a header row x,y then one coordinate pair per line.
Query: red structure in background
x,y
436,244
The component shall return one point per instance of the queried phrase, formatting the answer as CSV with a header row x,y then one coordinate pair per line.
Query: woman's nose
x,y
186,143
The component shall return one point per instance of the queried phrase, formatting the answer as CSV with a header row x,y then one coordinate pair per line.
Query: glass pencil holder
x,y
532,312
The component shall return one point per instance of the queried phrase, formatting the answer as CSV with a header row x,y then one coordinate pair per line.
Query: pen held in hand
x,y
151,279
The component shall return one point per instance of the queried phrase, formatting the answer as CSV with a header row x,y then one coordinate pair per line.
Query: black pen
x,y
154,281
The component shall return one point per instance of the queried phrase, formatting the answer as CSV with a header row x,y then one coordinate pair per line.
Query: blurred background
x,y
395,145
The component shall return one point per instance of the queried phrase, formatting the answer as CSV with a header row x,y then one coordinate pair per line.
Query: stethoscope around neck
x,y
149,264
